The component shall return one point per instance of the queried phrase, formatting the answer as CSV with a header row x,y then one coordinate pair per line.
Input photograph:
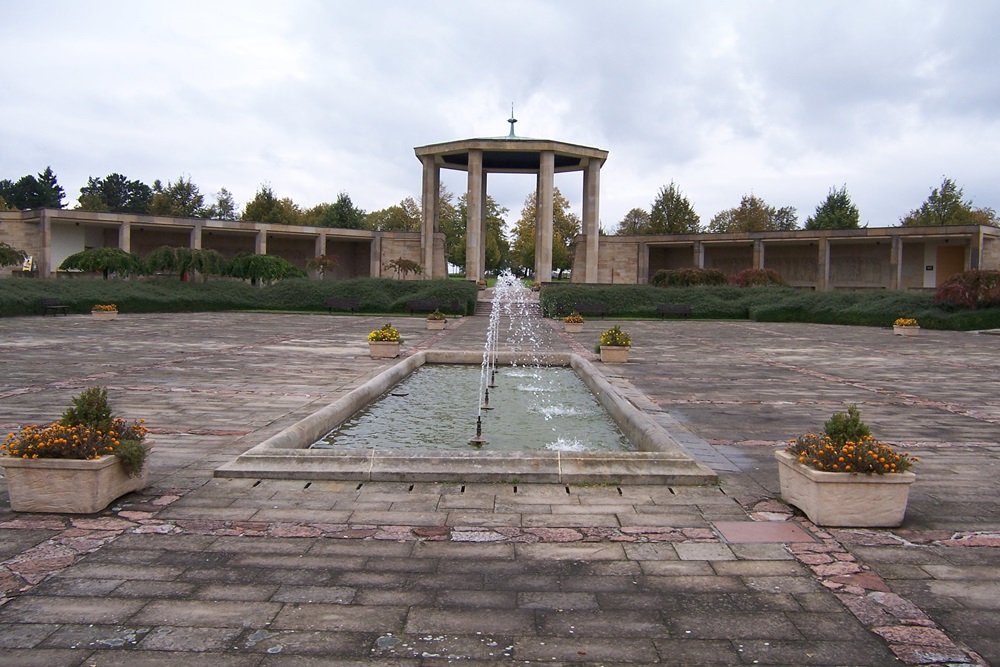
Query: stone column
x,y
591,217
974,256
194,238
758,254
125,236
260,245
45,268
429,199
896,263
699,255
474,216
482,227
543,216
319,249
823,265
375,257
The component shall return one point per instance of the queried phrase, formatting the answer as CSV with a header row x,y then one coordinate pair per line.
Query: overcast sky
x,y
783,99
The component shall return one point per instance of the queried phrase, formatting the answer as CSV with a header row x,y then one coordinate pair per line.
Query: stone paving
x,y
206,571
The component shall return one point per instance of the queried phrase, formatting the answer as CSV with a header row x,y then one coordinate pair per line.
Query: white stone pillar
x,y
125,236
758,254
194,238
260,245
482,227
543,209
474,216
430,190
591,216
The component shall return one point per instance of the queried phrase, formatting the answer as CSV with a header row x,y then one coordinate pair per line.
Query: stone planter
x,y
843,499
573,327
614,354
436,325
103,315
67,486
380,349
905,331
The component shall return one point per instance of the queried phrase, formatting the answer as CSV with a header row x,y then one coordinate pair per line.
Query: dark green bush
x,y
21,297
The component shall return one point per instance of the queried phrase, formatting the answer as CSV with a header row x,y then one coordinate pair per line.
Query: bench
x,y
681,309
54,306
601,309
422,306
340,303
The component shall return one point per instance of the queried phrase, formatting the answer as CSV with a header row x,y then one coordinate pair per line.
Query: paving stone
x,y
45,657
315,594
332,645
479,599
703,551
338,618
591,650
206,613
40,609
470,621
25,635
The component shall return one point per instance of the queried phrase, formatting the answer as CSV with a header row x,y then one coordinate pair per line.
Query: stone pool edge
x,y
285,455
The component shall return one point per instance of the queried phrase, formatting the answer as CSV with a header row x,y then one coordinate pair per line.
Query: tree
x,y
634,223
266,207
672,213
105,260
322,264
32,193
403,217
836,212
115,194
180,199
265,268
754,215
224,207
9,255
944,206
208,262
565,227
452,221
402,267
171,260
343,214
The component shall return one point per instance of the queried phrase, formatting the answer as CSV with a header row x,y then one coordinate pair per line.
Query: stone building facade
x,y
52,235
905,258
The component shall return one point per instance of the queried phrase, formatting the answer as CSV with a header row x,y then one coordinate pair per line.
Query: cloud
x,y
785,99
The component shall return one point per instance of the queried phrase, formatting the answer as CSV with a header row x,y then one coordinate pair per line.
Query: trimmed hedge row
x,y
381,295
772,304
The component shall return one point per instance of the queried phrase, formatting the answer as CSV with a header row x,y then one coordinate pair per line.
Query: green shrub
x,y
91,409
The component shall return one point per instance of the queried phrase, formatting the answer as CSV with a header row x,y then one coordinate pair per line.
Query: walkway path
x,y
205,571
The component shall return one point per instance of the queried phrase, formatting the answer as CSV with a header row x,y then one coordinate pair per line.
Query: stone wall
x,y
991,253
860,265
21,235
730,259
797,264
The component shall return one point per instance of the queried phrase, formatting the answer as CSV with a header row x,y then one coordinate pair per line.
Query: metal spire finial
x,y
512,120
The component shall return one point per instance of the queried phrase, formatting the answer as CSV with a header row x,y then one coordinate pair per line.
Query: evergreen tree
x,y
836,212
115,194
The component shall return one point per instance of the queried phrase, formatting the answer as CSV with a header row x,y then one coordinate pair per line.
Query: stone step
x,y
531,309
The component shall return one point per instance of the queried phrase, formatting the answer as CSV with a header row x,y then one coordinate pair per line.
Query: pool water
x,y
534,409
